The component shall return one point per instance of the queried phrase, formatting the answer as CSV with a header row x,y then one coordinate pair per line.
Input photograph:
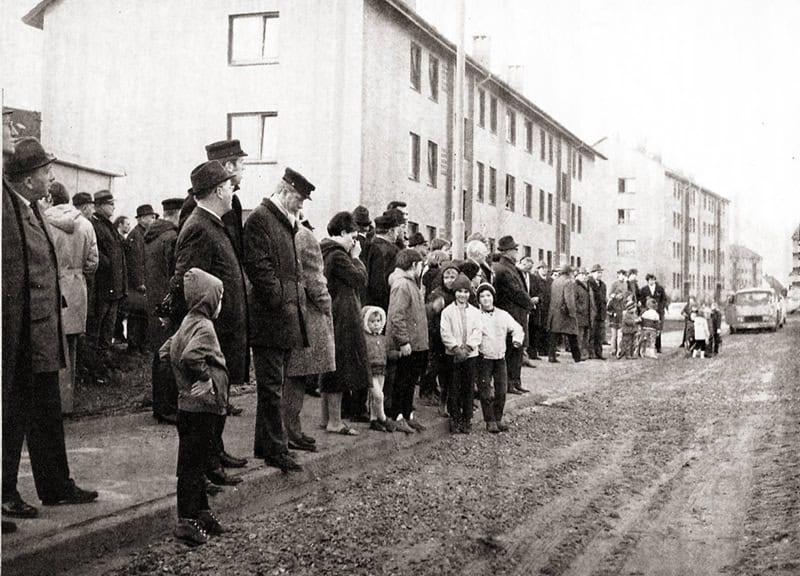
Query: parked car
x,y
755,308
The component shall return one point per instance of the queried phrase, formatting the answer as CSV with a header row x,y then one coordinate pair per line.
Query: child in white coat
x,y
700,335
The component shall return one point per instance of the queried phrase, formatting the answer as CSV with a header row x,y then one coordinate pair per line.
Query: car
x,y
753,309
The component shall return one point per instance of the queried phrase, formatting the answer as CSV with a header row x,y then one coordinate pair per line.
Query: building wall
x,y
745,268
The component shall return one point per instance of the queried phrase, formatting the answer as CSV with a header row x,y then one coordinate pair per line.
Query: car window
x,y
753,298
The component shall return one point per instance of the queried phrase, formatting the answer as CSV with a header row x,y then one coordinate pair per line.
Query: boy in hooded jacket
x,y
374,322
202,379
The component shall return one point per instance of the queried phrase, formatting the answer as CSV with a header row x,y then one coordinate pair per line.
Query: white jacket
x,y
495,326
700,328
452,329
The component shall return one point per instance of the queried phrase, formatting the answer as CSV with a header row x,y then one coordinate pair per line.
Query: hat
x,y
470,269
145,210
460,283
172,204
103,197
454,264
397,215
541,264
208,176
506,243
58,194
7,111
582,271
563,268
82,198
361,216
597,268
396,204
28,156
224,149
416,239
486,286
298,182
621,271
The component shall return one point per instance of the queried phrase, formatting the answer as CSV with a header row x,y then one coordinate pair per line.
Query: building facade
x,y
358,95
746,270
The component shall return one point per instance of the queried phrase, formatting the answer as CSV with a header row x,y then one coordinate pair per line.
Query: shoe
x,y
345,430
16,507
229,461
521,390
402,426
417,425
502,426
73,495
377,426
389,425
209,522
301,444
308,439
190,532
220,478
211,488
599,358
258,453
166,418
234,410
283,461
492,427
9,527
514,390
314,392
553,360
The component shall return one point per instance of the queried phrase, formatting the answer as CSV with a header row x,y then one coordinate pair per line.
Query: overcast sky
x,y
711,85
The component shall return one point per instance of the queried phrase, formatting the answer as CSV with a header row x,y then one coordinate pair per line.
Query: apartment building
x,y
356,94
746,270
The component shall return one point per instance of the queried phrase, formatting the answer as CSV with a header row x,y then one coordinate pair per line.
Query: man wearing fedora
x,y
537,321
136,302
599,293
562,317
204,242
34,346
512,296
278,307
382,254
110,281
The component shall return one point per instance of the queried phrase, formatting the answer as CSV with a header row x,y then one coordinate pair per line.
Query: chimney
x,y
482,50
516,77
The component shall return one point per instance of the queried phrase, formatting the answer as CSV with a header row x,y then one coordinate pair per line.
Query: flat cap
x,y
224,149
82,198
298,182
103,197
172,204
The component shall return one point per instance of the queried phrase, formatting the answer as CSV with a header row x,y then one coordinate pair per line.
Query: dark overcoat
x,y
136,263
231,219
380,263
599,294
346,276
658,294
512,293
159,250
540,287
582,304
277,300
111,278
562,317
203,243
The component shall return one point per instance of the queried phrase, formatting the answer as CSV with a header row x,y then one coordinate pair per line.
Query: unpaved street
x,y
675,466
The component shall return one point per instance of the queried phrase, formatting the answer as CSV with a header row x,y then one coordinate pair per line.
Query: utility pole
x,y
458,144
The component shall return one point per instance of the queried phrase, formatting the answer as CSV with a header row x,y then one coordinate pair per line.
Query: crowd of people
x,y
362,317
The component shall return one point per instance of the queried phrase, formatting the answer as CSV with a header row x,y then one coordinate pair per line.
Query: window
x,y
580,167
253,39
578,261
624,216
431,232
511,184
549,258
481,176
492,186
550,149
258,134
541,254
621,185
573,217
413,156
511,126
572,261
626,248
550,208
416,64
528,136
433,76
412,227
481,108
433,163
542,144
527,209
563,238
493,114
491,244
541,205
580,220
526,250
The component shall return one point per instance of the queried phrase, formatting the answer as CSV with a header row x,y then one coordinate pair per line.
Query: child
x,y
374,321
630,321
650,330
461,336
689,332
715,326
496,324
202,379
700,335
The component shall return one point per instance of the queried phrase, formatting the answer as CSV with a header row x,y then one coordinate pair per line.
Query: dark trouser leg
x,y
453,401
513,363
409,370
137,330
574,347
294,394
533,348
358,405
428,385
445,370
107,317
465,373
486,388
217,445
500,388
658,342
598,335
270,434
195,445
552,338
543,337
388,388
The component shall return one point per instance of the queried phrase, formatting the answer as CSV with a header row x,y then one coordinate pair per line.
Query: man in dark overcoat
x,y
380,261
512,296
563,317
136,302
277,308
599,294
537,323
655,291
204,242
583,309
34,344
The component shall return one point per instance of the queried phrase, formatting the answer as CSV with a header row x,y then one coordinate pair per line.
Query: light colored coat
x,y
495,327
407,322
563,319
452,329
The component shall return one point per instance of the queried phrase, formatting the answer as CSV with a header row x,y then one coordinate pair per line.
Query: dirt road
x,y
671,467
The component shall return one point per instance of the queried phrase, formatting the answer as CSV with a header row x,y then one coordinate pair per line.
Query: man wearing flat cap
x,y
33,347
277,309
136,302
205,242
365,232
512,296
599,294
381,259
419,243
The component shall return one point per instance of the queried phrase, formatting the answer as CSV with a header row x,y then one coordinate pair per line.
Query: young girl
x,y
461,336
496,324
650,326
700,335
630,322
374,321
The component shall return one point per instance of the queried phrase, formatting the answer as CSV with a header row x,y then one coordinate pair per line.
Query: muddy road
x,y
677,466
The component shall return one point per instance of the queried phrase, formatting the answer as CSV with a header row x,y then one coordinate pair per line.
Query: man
x,y
633,284
33,335
84,203
655,291
136,303
512,296
76,249
583,311
615,308
419,243
562,316
401,207
538,335
110,281
381,260
478,252
204,242
365,231
278,305
599,295
525,266
159,253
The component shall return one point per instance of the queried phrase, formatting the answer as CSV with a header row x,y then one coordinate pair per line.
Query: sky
x,y
710,85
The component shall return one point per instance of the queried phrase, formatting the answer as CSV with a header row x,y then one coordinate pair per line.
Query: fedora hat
x,y
28,156
82,198
103,197
145,210
208,176
298,182
224,149
361,216
597,268
506,243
